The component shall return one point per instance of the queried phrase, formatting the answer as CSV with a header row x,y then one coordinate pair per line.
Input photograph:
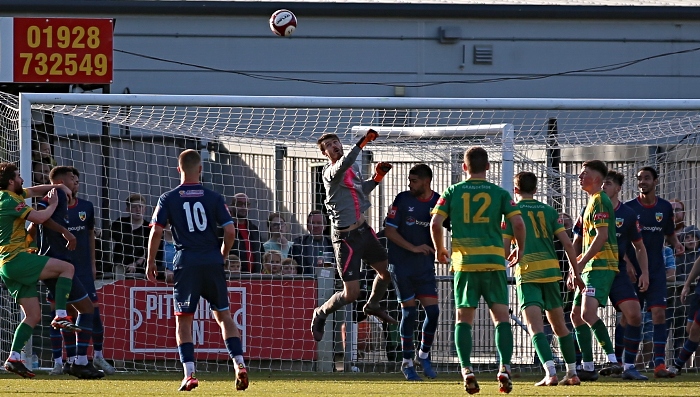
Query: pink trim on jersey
x,y
347,179
347,262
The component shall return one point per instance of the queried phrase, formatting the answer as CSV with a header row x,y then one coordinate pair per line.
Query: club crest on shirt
x,y
619,222
659,216
82,216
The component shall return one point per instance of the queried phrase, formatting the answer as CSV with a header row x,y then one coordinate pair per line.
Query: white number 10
x,y
200,217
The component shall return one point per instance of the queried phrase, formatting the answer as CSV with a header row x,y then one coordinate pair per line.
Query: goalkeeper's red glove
x,y
380,170
369,137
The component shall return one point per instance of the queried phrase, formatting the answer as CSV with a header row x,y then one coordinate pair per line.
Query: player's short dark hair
x,y
597,166
59,172
189,159
7,173
476,158
616,177
422,171
651,170
323,137
134,197
75,171
526,182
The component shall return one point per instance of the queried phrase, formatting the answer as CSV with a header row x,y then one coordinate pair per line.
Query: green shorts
x,y
546,296
21,273
470,286
598,283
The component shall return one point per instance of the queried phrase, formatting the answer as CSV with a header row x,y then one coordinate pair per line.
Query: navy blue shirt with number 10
x,y
193,213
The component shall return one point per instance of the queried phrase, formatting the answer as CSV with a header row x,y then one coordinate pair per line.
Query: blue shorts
x,y
77,291
89,286
655,295
414,280
622,290
203,281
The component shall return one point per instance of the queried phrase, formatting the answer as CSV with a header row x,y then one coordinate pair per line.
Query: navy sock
x,y
234,347
408,321
430,324
186,351
97,330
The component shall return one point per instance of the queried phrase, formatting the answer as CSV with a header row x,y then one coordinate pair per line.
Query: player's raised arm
x,y
43,216
42,190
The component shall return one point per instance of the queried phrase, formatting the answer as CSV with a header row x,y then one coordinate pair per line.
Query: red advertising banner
x,y
63,50
273,316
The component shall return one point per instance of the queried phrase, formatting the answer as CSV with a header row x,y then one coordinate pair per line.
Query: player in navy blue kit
x,y
656,221
56,241
411,264
81,222
623,293
193,212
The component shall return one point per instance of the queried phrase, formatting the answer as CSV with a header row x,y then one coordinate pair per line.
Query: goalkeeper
x,y
353,239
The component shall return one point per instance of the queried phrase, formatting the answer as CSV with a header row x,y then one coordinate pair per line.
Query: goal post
x,y
266,147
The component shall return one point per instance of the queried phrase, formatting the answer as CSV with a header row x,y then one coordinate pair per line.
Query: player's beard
x,y
18,188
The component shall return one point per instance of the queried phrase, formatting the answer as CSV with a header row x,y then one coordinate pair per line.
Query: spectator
x,y
248,245
40,173
289,267
313,249
41,152
130,236
272,262
277,227
678,217
233,266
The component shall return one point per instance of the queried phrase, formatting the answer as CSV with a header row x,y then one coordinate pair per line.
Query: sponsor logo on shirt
x,y
20,206
392,212
192,193
441,201
601,215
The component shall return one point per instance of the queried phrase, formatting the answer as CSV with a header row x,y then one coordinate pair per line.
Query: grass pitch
x,y
311,384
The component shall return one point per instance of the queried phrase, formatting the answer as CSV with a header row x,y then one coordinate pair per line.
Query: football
x,y
283,22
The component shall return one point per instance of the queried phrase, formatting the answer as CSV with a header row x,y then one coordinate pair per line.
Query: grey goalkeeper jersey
x,y
345,190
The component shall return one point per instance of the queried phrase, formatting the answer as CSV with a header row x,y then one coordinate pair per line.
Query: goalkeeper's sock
x,y
335,302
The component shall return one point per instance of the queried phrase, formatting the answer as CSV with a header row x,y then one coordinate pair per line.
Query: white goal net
x,y
265,147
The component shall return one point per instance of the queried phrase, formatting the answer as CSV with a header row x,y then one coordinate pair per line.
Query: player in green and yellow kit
x,y
598,264
475,208
21,270
537,277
